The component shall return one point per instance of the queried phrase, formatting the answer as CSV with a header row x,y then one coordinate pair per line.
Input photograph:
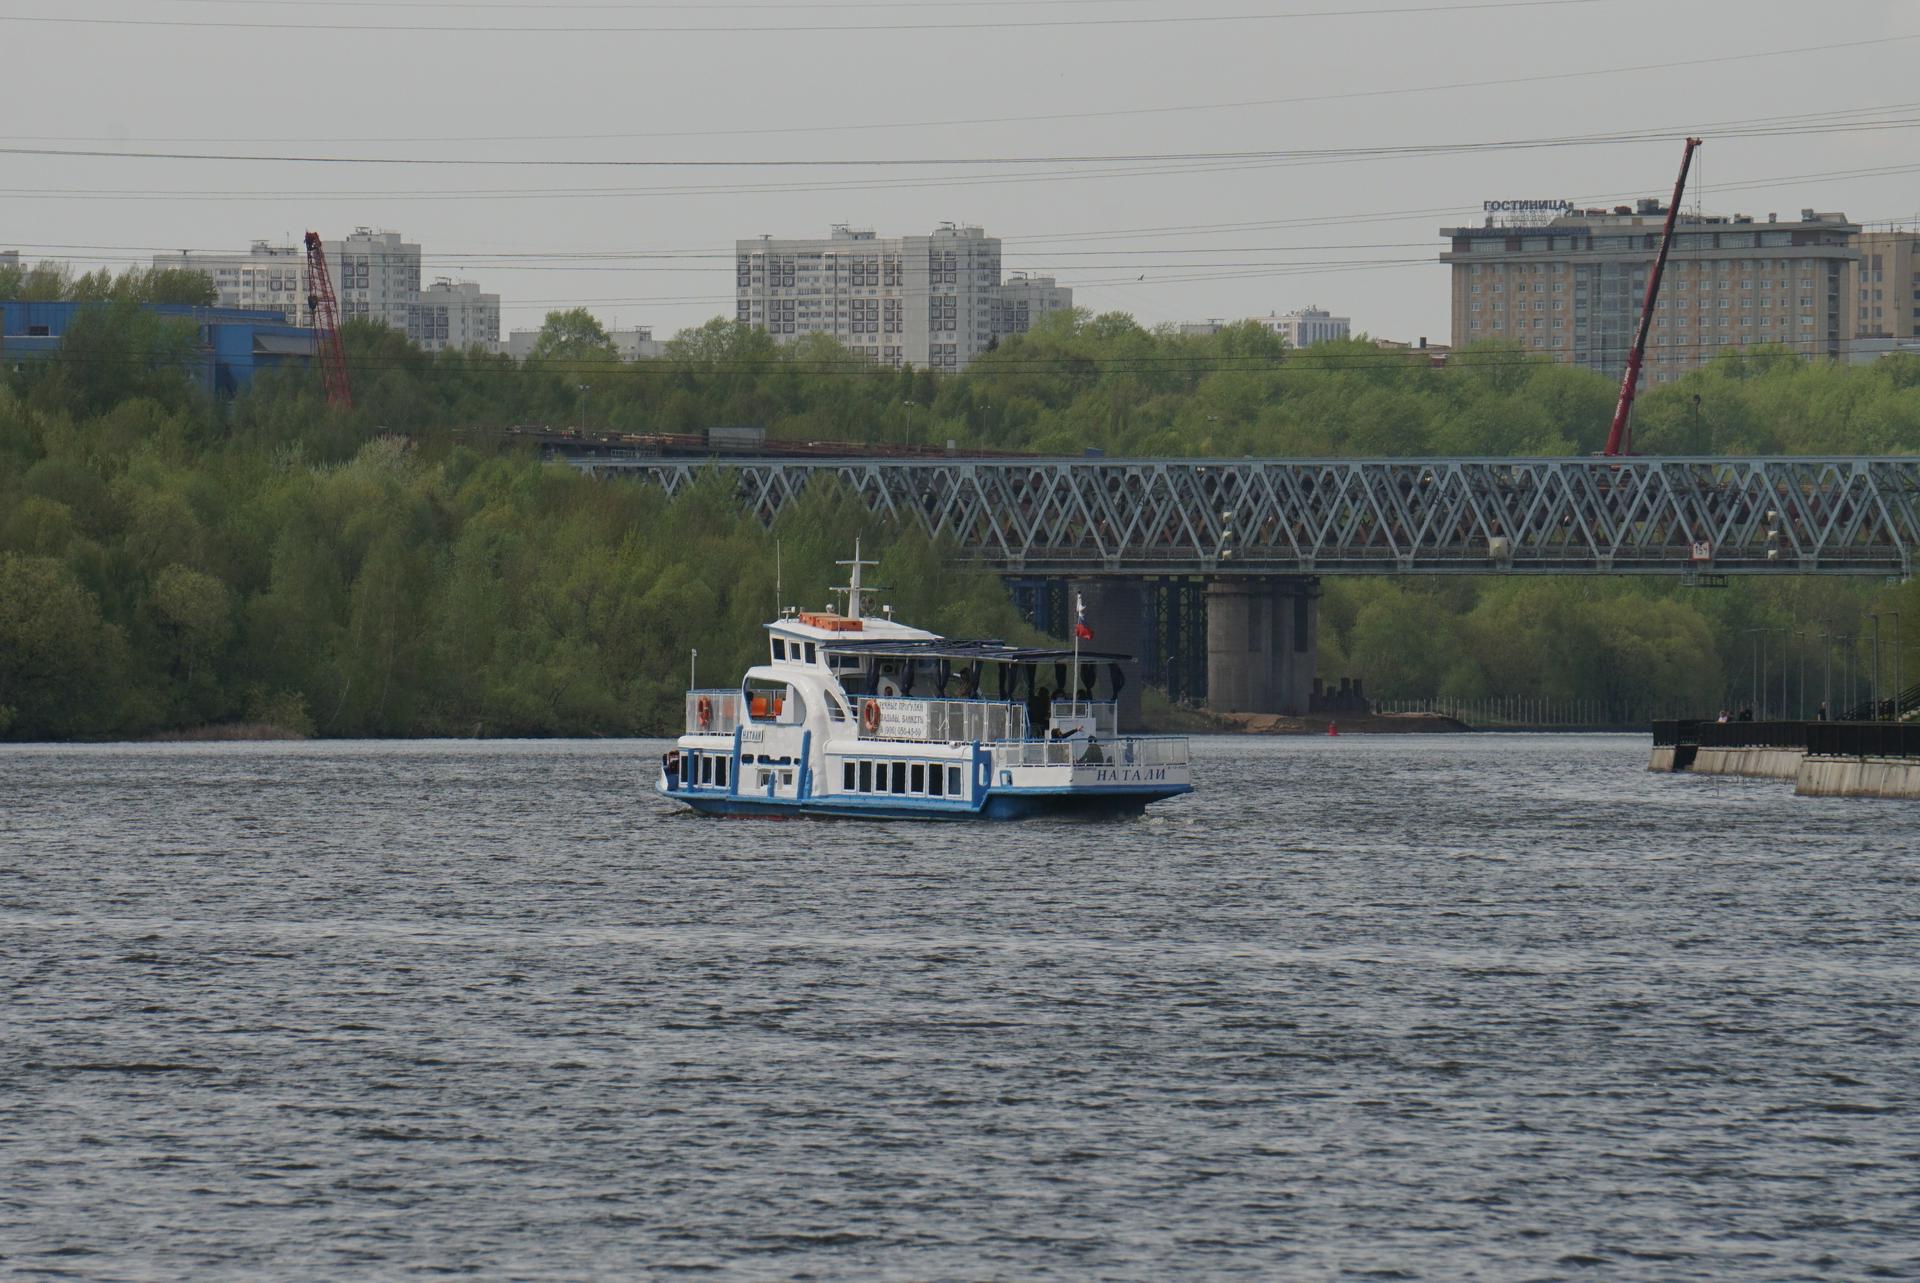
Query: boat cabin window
x,y
953,781
848,783
899,777
706,769
812,653
918,782
782,704
779,650
866,777
720,772
936,781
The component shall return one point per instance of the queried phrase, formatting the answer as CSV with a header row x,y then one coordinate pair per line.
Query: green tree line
x,y
167,560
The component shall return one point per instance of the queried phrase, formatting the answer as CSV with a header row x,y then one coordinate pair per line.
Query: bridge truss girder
x,y
1783,515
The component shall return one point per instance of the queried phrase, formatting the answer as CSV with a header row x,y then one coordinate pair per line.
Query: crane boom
x,y
326,322
1620,436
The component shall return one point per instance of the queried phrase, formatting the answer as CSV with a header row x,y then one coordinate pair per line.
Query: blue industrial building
x,y
234,343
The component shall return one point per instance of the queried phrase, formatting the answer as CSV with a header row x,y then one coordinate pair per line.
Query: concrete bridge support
x,y
1117,613
1263,641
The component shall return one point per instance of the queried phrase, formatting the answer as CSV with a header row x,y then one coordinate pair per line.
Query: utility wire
x,y
1026,119
1218,19
1778,127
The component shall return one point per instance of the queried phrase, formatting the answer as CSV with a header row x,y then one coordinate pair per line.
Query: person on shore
x,y
1820,714
1746,714
1723,718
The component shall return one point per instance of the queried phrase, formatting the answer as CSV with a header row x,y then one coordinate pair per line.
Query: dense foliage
x,y
168,561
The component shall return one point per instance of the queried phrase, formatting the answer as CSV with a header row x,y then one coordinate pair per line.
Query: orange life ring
x,y
870,716
704,711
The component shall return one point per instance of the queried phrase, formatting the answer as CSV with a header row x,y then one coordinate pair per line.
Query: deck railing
x,y
1132,750
721,709
1106,716
943,721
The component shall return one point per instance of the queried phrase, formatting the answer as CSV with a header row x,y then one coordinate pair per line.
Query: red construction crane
x,y
1620,436
326,323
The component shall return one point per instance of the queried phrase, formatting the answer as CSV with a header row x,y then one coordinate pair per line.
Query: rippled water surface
x,y
1490,1007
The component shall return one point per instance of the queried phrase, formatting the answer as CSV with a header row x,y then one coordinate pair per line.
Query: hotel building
x,y
1570,286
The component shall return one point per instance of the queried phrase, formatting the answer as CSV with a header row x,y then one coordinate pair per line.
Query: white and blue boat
x,y
861,717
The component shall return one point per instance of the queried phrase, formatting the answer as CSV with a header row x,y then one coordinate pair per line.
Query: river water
x,y
1500,1007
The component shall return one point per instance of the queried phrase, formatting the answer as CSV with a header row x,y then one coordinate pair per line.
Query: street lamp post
x,y
1785,668
584,387
1803,635
1894,703
1826,642
1873,687
909,405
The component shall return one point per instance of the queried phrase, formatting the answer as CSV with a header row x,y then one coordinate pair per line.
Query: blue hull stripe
x,y
998,804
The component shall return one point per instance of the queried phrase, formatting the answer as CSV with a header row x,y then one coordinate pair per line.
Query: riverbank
x,y
1821,759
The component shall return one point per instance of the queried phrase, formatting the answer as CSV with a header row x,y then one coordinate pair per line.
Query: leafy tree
x,y
574,335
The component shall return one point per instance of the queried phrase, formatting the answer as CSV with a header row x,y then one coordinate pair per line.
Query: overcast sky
x,y
902,80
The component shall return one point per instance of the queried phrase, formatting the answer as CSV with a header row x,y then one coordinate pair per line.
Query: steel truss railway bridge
x,y
1223,556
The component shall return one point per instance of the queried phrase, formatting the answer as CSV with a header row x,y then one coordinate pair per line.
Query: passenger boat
x,y
858,716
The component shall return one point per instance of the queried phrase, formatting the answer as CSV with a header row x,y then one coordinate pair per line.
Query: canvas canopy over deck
x,y
982,669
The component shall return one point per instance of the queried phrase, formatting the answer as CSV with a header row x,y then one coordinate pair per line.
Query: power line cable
x,y
554,29
1026,119
1777,127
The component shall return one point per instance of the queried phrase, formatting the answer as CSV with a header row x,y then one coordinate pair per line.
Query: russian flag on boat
x,y
1080,628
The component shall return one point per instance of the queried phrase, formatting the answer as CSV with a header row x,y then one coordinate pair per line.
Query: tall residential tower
x,y
934,302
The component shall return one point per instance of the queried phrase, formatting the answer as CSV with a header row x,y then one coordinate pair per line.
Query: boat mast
x,y
852,590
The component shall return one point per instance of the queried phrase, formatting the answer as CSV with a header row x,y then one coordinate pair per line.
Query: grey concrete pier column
x,y
1117,613
1239,633
1263,641
1295,649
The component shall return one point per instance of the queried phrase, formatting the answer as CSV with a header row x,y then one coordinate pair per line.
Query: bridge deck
x,y
1672,516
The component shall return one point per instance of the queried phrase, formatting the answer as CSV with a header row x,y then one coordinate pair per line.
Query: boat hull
x,y
998,804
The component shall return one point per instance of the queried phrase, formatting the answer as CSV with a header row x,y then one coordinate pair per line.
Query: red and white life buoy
x,y
704,711
870,717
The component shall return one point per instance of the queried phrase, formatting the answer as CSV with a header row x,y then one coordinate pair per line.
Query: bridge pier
x,y
1263,641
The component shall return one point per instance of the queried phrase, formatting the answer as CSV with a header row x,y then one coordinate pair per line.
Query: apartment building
x,y
267,278
924,301
375,275
636,344
1307,326
1883,286
454,316
1569,284
1025,299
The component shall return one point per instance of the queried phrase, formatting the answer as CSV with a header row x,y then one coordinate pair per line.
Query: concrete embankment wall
x,y
1662,759
1752,763
1858,777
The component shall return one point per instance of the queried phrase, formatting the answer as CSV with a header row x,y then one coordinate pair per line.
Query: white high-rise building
x,y
9,258
455,316
1309,325
269,277
925,301
636,344
375,275
1025,299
